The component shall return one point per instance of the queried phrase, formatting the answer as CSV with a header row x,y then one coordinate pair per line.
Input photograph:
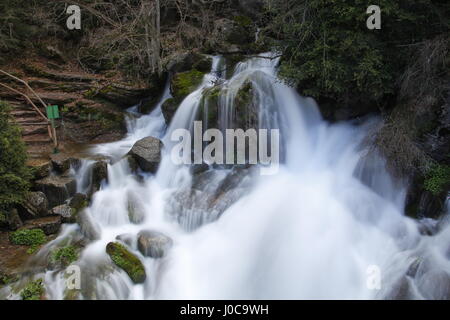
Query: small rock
x,y
68,214
79,201
50,224
127,261
62,162
126,238
57,188
147,153
153,244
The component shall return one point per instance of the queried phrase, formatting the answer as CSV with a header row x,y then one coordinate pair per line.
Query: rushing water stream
x,y
322,227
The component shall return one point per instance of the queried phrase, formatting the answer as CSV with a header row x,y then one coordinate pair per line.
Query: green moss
x,y
28,237
186,82
33,291
437,179
127,261
65,255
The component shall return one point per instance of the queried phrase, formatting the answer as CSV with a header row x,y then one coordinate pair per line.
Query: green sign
x,y
52,112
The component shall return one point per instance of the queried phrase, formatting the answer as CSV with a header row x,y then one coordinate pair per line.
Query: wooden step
x,y
37,139
32,130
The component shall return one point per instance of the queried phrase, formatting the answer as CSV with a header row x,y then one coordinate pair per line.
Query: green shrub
x,y
26,237
33,291
65,255
14,174
437,179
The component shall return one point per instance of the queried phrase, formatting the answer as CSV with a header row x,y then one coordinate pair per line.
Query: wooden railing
x,y
51,130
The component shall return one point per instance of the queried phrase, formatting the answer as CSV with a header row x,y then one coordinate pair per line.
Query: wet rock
x,y
153,244
67,214
50,224
99,174
401,290
57,188
79,201
147,153
435,285
62,162
127,238
136,212
88,227
127,261
132,163
35,205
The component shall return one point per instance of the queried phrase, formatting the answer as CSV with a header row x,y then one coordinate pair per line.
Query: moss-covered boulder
x,y
127,261
246,107
209,107
184,83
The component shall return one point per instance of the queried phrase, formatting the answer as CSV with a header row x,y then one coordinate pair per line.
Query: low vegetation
x,y
27,237
33,290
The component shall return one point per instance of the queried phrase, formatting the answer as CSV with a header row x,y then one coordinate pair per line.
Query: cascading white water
x,y
313,230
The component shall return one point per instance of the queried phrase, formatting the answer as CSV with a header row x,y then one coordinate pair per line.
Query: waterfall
x,y
329,221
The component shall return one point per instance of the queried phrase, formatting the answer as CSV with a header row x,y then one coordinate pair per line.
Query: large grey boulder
x,y
153,244
147,153
57,188
35,205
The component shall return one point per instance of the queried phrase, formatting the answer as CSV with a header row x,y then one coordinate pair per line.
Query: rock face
x,y
87,225
50,224
57,188
181,85
188,61
99,174
35,205
67,214
61,162
127,261
153,244
78,202
147,153
41,169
